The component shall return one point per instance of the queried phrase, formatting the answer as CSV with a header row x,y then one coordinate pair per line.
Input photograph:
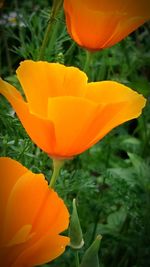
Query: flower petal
x,y
128,7
107,92
46,249
40,130
34,217
53,217
12,170
21,236
121,104
92,28
95,131
96,24
45,211
118,104
41,80
123,28
70,116
24,202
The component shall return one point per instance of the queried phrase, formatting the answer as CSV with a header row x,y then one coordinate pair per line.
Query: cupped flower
x,y
32,216
96,24
63,114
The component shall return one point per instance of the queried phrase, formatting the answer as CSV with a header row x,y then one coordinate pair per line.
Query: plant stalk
x,y
77,259
55,9
57,165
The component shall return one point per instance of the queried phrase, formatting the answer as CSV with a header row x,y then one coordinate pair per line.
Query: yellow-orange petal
x,y
53,222
46,249
96,127
41,80
113,95
92,28
118,104
110,92
96,24
44,211
39,129
6,185
123,28
132,8
70,116
21,236
25,202
30,204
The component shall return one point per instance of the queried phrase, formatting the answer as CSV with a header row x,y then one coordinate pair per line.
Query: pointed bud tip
x,y
75,231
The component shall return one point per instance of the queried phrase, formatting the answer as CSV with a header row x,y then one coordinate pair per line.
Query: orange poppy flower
x,y
31,217
96,24
63,114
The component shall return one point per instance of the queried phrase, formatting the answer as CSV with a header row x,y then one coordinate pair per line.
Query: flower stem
x,y
77,259
55,8
57,164
88,61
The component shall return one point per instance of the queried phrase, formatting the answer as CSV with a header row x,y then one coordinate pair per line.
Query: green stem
x,y
54,34
57,164
87,64
55,8
46,38
77,259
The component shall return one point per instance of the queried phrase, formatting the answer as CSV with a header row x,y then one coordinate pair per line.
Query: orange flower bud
x,y
96,24
63,114
32,216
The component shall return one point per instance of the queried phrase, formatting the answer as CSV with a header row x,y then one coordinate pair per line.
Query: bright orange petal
x,y
92,28
70,115
96,24
25,202
53,217
41,80
45,211
120,105
107,92
123,28
95,130
34,216
40,130
21,236
46,249
12,170
136,8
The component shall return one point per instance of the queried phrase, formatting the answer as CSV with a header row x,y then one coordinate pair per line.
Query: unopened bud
x,y
75,231
90,257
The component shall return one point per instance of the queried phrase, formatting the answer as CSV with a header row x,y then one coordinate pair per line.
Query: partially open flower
x,y
63,114
32,216
96,24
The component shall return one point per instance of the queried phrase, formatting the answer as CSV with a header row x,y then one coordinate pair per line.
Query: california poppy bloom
x,y
96,24
32,216
63,114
